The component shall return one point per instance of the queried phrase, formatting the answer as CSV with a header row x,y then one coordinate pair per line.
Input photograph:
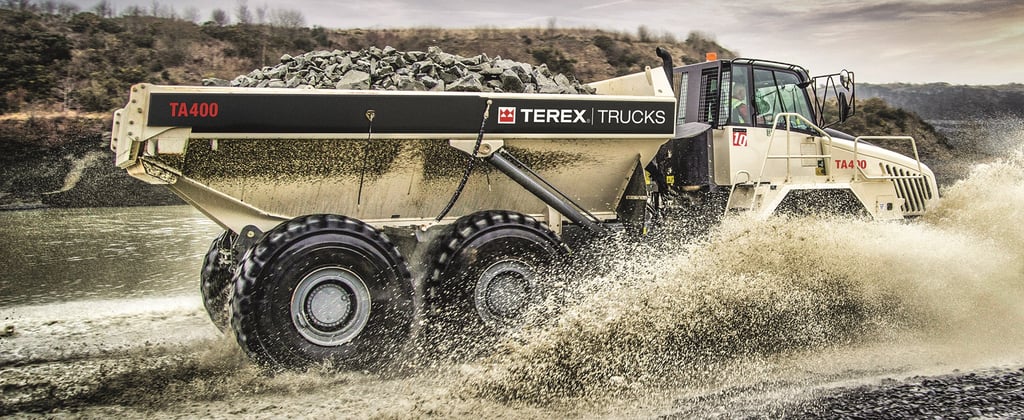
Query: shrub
x,y
557,61
30,55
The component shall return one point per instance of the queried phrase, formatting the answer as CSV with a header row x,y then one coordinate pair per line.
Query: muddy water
x,y
757,317
58,255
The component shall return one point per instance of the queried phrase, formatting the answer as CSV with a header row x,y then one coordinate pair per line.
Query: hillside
x,y
85,62
66,162
979,123
943,101
875,117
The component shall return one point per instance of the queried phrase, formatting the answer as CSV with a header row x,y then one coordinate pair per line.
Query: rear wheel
x,y
215,279
322,288
487,269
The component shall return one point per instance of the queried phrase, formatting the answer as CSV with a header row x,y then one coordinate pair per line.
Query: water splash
x,y
769,289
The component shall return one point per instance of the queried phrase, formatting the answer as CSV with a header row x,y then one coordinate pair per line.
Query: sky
x,y
911,41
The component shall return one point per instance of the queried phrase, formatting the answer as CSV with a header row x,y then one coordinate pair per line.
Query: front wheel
x,y
322,288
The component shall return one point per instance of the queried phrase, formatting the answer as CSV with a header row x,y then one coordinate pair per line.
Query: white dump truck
x,y
354,218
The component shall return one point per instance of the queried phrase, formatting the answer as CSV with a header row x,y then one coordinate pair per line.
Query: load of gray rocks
x,y
390,69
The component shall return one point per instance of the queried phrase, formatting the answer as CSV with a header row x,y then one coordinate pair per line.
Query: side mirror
x,y
844,107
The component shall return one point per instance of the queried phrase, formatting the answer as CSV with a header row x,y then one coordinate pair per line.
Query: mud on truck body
x,y
354,220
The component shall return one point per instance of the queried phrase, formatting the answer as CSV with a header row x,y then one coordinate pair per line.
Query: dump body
x,y
258,157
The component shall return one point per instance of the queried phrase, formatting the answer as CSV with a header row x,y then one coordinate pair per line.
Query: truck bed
x,y
260,156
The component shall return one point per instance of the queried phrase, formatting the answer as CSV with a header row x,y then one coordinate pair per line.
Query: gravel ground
x,y
997,393
162,358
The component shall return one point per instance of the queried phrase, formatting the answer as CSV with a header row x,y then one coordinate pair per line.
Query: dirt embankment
x,y
65,161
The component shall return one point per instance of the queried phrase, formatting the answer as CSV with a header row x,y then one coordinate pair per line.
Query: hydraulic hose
x,y
469,165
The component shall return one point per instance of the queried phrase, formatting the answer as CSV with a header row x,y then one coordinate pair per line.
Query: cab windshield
x,y
778,91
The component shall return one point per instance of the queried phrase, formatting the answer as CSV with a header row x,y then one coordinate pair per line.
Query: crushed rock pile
x,y
390,69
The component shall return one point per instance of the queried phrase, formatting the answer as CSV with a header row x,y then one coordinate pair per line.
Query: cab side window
x,y
777,92
741,111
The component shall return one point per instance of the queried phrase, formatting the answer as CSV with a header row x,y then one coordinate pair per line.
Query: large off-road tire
x,y
215,279
488,269
322,288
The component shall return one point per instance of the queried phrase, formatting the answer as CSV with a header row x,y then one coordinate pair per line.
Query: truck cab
x,y
769,149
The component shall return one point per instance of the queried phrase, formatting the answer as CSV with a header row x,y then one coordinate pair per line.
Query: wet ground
x,y
139,358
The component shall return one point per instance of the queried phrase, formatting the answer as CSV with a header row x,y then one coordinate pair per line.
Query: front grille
x,y
915,192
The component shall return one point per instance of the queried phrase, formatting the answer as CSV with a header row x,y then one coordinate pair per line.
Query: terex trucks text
x,y
331,199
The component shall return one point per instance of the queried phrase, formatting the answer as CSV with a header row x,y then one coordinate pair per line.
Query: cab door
x,y
764,97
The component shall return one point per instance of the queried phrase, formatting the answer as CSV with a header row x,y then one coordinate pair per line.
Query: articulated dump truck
x,y
353,218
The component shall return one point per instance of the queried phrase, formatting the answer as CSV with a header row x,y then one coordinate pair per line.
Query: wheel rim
x,y
330,306
504,290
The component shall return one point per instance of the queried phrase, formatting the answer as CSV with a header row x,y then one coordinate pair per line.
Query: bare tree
x,y
287,18
261,14
104,9
261,19
643,33
220,17
191,14
23,5
242,12
668,37
161,11
66,10
133,10
48,6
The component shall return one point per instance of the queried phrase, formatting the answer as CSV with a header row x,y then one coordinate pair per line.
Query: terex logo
x,y
596,116
559,116
506,115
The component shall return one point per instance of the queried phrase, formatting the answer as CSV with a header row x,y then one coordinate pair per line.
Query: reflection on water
x,y
54,255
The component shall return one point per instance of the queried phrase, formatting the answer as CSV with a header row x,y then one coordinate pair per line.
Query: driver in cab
x,y
740,108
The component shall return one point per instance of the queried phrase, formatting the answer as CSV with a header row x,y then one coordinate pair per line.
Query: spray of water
x,y
677,316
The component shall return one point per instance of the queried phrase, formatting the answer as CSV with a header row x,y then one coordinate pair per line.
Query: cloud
x,y
879,12
603,5
916,41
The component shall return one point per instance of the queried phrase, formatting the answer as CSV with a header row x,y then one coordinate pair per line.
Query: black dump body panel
x,y
401,114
